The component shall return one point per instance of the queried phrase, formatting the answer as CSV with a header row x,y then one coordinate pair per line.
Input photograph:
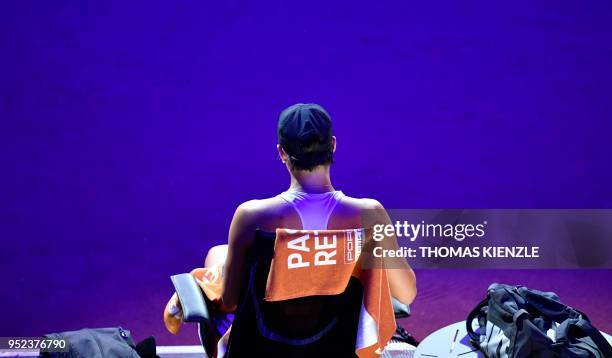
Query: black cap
x,y
305,129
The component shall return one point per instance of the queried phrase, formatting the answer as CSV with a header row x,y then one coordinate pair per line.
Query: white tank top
x,y
314,209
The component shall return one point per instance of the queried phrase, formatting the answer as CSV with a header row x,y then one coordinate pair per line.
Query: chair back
x,y
300,327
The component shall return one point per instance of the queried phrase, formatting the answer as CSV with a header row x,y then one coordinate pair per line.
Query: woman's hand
x,y
174,308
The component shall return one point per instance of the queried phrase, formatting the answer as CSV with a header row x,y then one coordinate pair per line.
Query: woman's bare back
x,y
272,213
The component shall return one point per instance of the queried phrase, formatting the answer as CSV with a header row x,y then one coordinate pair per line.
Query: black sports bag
x,y
517,322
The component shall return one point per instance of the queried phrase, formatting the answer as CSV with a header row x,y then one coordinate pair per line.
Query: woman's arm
x,y
241,235
402,280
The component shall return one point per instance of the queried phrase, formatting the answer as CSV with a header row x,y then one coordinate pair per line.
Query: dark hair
x,y
305,134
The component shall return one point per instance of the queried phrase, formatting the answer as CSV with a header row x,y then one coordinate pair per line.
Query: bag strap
x,y
549,306
474,337
585,327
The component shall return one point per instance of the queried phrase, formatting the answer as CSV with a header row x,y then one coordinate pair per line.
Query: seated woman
x,y
306,146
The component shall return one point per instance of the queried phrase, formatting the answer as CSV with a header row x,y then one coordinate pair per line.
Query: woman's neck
x,y
314,182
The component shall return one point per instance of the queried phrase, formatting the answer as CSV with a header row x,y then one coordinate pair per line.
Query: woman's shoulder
x,y
355,212
262,206
361,203
265,213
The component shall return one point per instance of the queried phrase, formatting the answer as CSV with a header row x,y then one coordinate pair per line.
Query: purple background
x,y
130,132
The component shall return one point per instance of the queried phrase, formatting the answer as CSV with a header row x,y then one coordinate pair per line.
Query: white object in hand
x,y
175,310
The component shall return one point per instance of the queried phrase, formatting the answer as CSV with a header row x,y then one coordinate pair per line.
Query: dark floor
x,y
444,297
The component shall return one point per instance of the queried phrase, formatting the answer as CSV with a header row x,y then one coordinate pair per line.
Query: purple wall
x,y
130,132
